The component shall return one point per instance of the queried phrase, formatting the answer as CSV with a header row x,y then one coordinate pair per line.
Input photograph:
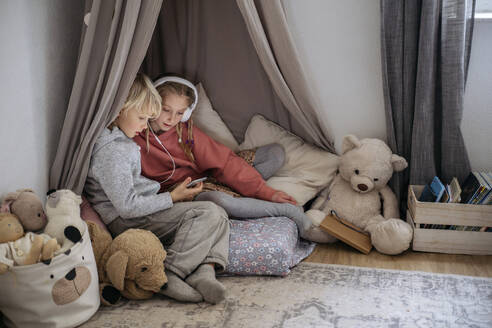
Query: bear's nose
x,y
70,275
362,187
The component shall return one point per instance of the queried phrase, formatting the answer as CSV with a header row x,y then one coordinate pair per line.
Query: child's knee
x,y
278,153
213,212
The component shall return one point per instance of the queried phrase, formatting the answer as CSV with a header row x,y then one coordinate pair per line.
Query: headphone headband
x,y
180,80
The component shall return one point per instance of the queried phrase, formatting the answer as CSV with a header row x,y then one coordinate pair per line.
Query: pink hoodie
x,y
211,158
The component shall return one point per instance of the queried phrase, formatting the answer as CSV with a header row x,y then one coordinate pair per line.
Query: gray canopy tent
x,y
224,44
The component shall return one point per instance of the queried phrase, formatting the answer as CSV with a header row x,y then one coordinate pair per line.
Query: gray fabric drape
x,y
278,55
113,46
425,53
208,42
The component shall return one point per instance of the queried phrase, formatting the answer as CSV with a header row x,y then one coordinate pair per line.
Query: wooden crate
x,y
448,241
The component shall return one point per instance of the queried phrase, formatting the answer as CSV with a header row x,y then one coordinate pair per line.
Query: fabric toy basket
x,y
63,293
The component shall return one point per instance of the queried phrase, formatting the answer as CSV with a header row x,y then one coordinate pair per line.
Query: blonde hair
x,y
144,98
179,89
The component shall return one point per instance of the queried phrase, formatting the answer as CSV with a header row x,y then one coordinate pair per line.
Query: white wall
x,y
477,116
39,45
339,42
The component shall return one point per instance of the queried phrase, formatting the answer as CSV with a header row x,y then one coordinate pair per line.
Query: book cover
x,y
446,197
455,191
481,188
347,233
470,186
488,195
433,192
427,195
482,191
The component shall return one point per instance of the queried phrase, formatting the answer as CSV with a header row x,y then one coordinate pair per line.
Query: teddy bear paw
x,y
314,232
391,236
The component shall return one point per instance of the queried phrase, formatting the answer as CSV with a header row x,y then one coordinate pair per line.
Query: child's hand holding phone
x,y
195,182
184,193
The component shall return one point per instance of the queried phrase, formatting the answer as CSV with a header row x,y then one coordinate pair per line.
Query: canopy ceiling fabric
x,y
113,46
209,42
425,53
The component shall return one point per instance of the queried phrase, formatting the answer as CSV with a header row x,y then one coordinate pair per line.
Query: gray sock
x,y
179,290
203,279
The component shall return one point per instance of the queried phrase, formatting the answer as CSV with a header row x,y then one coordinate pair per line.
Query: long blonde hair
x,y
179,89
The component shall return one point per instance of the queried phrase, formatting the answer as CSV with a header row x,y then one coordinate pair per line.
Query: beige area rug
x,y
321,295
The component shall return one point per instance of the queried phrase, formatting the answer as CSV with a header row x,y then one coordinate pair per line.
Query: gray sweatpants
x,y
192,233
268,159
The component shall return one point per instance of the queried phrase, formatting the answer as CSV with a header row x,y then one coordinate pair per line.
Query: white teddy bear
x,y
359,194
64,221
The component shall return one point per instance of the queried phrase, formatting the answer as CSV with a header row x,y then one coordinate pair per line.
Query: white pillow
x,y
307,169
209,121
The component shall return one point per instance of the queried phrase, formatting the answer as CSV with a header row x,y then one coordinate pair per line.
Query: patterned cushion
x,y
265,246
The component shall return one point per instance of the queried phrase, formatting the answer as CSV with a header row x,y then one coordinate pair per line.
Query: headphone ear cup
x,y
186,115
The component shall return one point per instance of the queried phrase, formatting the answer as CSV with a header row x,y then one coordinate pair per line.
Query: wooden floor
x,y
339,253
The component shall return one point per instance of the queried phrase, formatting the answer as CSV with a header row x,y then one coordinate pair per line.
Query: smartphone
x,y
194,182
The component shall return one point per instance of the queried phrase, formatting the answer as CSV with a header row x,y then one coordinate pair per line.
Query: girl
x,y
195,234
176,149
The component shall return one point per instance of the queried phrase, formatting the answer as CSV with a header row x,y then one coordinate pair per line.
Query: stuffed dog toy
x,y
131,265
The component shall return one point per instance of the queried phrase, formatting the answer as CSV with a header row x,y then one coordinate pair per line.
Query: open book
x,y
347,232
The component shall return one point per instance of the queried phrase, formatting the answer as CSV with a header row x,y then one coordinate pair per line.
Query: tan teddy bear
x,y
359,194
17,248
27,206
131,265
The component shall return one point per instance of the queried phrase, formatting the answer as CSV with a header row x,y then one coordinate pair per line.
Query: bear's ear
x,y
8,200
350,142
398,162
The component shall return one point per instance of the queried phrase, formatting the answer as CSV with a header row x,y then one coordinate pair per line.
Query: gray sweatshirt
x,y
115,186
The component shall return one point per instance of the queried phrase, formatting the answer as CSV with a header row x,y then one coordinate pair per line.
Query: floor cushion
x,y
265,246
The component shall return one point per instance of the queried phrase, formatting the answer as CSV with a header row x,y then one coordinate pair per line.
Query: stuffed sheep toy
x,y
359,194
64,221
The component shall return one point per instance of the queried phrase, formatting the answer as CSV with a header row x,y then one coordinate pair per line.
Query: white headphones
x,y
191,108
168,154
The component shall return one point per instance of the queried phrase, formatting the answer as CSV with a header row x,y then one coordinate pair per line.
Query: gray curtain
x,y
268,28
425,52
114,43
209,42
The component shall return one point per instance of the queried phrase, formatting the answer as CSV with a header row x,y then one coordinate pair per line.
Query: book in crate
x,y
477,188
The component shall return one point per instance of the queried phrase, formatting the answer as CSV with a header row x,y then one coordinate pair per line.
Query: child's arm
x,y
228,168
114,171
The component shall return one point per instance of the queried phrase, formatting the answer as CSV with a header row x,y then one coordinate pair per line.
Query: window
x,y
483,9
